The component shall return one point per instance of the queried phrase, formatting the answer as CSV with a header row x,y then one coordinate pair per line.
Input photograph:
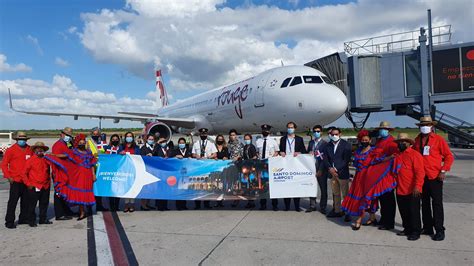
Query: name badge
x,y
37,189
27,156
426,150
127,152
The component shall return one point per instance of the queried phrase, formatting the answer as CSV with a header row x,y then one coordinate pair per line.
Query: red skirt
x,y
368,185
79,189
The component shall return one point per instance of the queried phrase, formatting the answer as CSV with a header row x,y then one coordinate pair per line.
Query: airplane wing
x,y
129,116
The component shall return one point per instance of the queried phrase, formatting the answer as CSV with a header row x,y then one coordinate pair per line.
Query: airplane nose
x,y
332,103
339,101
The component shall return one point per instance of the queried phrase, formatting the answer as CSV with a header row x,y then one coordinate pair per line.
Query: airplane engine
x,y
159,129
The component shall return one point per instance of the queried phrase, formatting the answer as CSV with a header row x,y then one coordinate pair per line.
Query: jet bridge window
x,y
296,81
312,79
285,83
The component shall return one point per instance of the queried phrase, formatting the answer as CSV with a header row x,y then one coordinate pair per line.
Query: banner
x,y
293,177
146,177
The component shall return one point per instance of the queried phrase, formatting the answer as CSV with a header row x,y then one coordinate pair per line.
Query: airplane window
x,y
327,80
312,79
296,81
285,83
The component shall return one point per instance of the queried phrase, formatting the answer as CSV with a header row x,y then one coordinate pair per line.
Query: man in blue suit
x,y
338,156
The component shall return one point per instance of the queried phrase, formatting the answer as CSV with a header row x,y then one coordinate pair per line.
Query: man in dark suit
x,y
338,155
317,148
291,145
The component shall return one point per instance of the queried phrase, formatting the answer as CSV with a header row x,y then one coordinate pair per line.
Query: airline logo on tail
x,y
161,88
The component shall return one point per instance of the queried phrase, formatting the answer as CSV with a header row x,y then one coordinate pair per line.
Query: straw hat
x,y
426,121
21,135
404,137
385,125
67,131
40,144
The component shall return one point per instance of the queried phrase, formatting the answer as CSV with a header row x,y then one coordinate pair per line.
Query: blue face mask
x,y
150,142
67,139
316,135
163,144
129,139
383,133
21,142
182,145
247,141
290,130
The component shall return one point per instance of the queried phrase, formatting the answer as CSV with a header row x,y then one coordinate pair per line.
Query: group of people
x,y
414,170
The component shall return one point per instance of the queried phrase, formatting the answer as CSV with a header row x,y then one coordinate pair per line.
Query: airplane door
x,y
259,91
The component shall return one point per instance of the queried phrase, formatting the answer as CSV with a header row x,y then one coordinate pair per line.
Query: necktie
x,y
203,149
264,148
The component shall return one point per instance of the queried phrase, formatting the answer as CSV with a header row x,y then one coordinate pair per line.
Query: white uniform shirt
x,y
210,148
270,149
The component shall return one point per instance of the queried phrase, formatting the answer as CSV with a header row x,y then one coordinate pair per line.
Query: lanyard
x,y
290,143
421,143
182,153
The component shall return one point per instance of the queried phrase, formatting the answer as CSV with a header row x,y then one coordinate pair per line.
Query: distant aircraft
x,y
300,94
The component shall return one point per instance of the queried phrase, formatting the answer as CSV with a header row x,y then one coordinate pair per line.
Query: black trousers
x,y
114,203
161,205
61,207
388,208
98,203
432,197
409,208
33,197
180,204
296,202
323,198
197,203
263,202
17,191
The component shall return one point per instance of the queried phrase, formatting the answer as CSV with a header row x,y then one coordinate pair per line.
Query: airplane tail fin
x,y
161,88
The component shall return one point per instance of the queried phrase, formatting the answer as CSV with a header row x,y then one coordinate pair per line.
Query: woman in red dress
x,y
373,178
79,190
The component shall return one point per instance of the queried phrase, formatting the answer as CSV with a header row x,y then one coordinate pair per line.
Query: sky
x,y
86,56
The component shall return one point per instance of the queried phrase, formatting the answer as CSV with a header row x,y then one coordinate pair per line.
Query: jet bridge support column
x,y
425,82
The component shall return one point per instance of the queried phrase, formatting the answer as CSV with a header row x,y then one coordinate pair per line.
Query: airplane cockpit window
x,y
327,80
285,83
296,81
312,79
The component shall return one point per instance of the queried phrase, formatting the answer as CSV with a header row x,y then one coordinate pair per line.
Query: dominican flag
x,y
161,88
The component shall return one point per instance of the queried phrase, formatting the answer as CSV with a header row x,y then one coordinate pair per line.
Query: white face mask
x,y
425,129
334,138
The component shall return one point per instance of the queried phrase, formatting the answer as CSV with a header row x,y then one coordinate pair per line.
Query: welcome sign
x,y
134,176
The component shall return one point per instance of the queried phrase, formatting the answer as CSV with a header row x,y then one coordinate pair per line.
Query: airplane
x,y
300,94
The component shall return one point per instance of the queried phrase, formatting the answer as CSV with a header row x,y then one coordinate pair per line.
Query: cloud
x,y
61,62
203,44
6,67
34,41
62,95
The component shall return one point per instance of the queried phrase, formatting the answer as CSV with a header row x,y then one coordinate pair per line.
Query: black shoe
x,y
427,232
82,218
46,222
287,209
262,208
401,233
310,209
197,208
151,207
334,214
323,211
439,236
413,237
275,209
383,227
347,218
69,217
33,225
63,218
355,226
23,222
10,226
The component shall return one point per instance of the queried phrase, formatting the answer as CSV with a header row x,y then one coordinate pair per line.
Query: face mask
x,y
316,135
364,144
219,142
95,138
203,137
163,145
21,142
67,139
39,153
402,146
383,133
81,146
129,139
290,130
425,129
247,141
150,142
182,145
265,133
334,138
115,142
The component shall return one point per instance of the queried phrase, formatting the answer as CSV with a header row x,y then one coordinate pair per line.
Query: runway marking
x,y
200,197
221,197
244,198
107,242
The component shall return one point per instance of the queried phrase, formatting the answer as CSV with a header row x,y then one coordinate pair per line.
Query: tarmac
x,y
238,236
